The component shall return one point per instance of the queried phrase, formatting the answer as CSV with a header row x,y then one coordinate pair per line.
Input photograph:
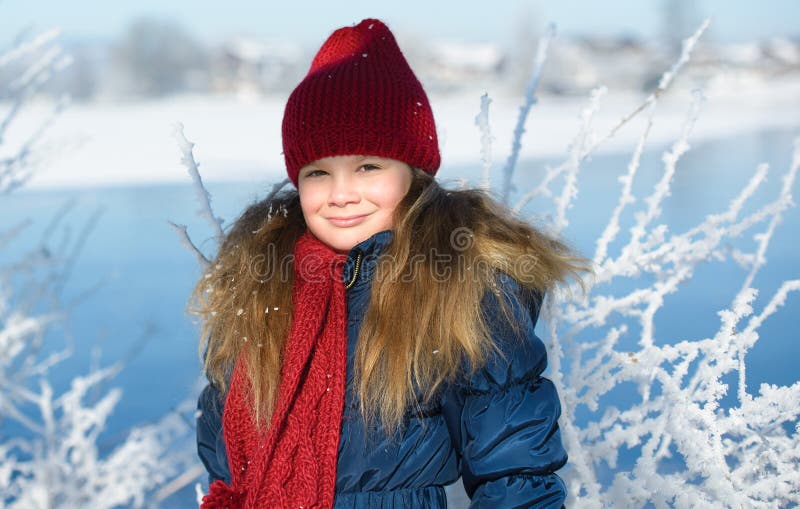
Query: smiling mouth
x,y
347,221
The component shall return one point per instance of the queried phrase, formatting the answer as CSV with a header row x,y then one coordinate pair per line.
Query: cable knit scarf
x,y
293,464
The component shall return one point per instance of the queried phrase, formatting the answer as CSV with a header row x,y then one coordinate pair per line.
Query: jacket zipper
x,y
355,272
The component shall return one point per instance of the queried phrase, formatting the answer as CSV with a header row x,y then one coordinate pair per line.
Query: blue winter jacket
x,y
498,430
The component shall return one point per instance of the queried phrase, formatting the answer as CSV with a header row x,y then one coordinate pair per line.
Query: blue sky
x,y
311,22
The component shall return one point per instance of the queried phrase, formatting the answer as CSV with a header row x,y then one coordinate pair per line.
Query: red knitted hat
x,y
360,97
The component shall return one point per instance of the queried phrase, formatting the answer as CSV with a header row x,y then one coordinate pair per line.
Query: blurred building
x,y
251,66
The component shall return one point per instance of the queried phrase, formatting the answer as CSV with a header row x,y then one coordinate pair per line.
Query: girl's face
x,y
347,199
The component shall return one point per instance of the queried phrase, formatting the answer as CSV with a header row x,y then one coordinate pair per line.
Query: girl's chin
x,y
341,241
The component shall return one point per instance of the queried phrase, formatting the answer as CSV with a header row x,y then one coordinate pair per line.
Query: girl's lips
x,y
350,221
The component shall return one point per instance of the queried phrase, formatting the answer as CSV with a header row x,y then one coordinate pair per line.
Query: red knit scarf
x,y
294,463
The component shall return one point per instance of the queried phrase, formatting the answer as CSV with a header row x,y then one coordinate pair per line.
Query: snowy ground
x,y
239,138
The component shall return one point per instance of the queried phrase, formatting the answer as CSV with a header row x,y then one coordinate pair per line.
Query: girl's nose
x,y
343,191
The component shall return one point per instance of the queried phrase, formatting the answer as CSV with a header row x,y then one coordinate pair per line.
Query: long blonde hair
x,y
447,248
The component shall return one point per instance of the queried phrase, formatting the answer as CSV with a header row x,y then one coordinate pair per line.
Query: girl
x,y
369,336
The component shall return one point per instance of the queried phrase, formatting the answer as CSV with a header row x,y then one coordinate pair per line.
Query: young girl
x,y
369,336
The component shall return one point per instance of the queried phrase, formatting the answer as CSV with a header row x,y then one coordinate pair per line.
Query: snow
x,y
253,50
239,139
467,55
745,53
784,50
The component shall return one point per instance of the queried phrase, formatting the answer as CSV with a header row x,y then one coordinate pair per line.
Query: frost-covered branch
x,y
667,78
524,110
183,235
47,58
783,202
570,189
203,196
648,104
482,121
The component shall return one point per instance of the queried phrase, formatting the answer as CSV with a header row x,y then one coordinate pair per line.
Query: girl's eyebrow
x,y
358,160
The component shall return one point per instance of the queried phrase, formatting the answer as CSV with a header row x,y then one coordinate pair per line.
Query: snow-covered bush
x,y
692,452
49,450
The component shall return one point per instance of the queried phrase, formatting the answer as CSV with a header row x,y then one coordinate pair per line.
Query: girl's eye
x,y
366,167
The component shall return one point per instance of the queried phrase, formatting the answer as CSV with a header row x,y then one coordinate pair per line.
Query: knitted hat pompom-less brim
x,y
359,96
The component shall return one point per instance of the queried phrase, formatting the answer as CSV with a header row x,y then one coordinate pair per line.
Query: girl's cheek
x,y
309,193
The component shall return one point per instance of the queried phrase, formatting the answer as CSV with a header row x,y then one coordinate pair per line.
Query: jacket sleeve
x,y
503,420
210,440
